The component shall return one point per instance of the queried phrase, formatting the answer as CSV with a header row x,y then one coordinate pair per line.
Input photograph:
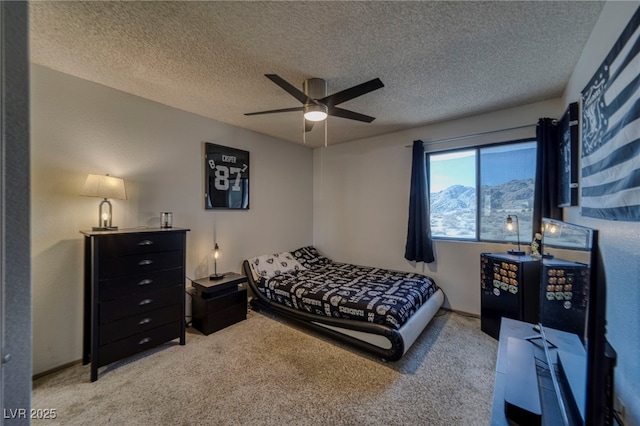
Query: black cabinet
x,y
509,288
565,293
134,292
219,303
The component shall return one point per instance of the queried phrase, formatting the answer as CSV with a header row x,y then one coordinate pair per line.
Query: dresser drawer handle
x,y
145,243
145,340
144,321
145,302
146,281
145,262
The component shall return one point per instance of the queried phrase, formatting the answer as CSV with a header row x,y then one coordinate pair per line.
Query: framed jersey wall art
x,y
226,178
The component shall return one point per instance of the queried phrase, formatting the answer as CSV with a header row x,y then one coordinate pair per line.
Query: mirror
x,y
566,240
573,300
565,276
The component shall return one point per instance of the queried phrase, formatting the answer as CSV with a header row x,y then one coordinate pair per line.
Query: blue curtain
x,y
419,246
545,199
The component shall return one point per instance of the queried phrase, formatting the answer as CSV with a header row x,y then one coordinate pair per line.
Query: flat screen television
x,y
573,299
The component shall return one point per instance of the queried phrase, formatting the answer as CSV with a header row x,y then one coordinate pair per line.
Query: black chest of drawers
x,y
134,292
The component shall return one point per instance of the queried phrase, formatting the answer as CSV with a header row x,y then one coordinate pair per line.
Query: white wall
x,y
79,128
619,241
361,200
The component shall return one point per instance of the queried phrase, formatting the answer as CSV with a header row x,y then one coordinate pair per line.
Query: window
x,y
473,190
452,187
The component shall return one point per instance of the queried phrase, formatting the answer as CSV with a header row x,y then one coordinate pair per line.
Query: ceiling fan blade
x,y
276,110
308,125
353,92
345,113
292,90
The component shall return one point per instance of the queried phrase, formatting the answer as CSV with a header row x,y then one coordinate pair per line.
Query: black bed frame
x,y
260,301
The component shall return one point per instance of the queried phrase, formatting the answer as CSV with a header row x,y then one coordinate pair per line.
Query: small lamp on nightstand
x,y
104,187
216,253
510,227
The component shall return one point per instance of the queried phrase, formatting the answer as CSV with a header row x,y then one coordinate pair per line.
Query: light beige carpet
x,y
266,371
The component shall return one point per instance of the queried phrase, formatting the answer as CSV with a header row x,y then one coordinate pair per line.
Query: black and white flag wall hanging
x,y
610,157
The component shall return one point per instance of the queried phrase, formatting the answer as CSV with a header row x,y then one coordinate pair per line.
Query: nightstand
x,y
219,303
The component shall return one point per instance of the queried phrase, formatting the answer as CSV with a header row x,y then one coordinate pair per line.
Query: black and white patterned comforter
x,y
344,290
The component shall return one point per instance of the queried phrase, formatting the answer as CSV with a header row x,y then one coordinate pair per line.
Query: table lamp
x,y
510,227
216,253
104,186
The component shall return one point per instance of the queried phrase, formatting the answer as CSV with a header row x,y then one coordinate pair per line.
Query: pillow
x,y
310,258
270,265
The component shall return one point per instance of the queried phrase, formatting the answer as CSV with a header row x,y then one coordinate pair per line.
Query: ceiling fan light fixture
x,y
315,112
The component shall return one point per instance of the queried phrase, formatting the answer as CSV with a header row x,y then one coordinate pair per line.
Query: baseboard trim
x,y
463,313
55,369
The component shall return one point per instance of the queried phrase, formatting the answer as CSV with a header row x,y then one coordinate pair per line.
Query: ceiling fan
x,y
317,105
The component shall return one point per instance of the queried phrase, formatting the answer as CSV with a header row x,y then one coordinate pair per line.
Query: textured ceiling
x,y
437,60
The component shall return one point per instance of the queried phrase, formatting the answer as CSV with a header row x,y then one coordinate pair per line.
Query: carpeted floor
x,y
266,371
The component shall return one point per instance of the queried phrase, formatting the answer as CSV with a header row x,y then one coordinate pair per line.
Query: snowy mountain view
x,y
453,211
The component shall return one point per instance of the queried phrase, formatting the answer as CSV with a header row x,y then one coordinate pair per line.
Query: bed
x,y
378,310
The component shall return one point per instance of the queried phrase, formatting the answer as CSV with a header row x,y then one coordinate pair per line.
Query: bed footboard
x,y
381,340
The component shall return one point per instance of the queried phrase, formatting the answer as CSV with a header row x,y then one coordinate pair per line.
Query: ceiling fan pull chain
x,y
325,133
304,131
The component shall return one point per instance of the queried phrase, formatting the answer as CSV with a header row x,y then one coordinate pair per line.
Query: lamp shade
x,y
104,186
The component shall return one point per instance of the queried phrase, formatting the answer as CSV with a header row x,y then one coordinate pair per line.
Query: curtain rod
x,y
455,138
